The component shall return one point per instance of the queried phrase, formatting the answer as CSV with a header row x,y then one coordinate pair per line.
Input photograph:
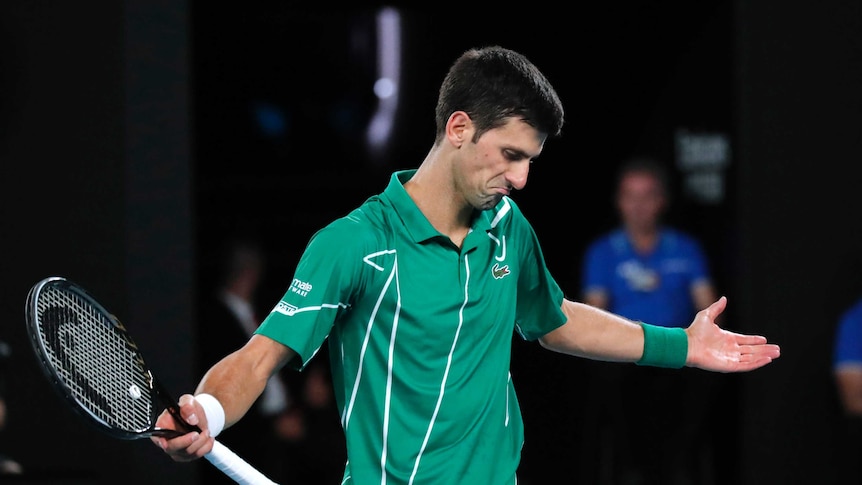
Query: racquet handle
x,y
235,467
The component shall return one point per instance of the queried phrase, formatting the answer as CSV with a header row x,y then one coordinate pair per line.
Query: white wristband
x,y
214,412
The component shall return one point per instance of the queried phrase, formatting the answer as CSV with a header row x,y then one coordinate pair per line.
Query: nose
x,y
517,175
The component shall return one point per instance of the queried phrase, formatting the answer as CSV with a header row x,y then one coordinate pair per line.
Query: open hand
x,y
712,348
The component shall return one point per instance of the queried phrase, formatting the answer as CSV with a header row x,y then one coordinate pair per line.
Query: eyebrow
x,y
520,153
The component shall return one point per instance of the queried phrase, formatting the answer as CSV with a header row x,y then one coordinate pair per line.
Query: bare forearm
x,y
596,334
229,382
240,378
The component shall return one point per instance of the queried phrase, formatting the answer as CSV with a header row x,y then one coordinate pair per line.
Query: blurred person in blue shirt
x,y
847,371
647,271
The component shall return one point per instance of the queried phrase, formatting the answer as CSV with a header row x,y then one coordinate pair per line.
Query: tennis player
x,y
418,293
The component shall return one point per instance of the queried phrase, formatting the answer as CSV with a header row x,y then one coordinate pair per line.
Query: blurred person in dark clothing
x,y
228,316
8,465
320,453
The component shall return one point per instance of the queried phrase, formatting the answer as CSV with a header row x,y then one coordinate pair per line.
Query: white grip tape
x,y
235,467
214,412
221,456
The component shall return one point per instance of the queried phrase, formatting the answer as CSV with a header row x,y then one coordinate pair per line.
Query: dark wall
x,y
799,119
94,153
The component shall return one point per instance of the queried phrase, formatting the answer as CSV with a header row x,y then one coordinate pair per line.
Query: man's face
x,y
498,163
640,200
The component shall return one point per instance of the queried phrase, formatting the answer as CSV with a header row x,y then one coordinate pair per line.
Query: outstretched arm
x,y
235,382
600,335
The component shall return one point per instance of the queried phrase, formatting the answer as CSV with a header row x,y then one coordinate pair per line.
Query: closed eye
x,y
516,156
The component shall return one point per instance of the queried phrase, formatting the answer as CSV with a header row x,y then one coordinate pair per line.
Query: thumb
x,y
716,308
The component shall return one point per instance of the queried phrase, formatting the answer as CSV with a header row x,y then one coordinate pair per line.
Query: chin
x,y
489,203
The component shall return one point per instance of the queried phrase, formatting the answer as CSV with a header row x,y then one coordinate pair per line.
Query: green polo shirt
x,y
420,337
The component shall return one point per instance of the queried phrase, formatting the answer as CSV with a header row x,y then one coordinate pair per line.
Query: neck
x,y
433,191
644,240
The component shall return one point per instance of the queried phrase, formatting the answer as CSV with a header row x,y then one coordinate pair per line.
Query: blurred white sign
x,y
703,158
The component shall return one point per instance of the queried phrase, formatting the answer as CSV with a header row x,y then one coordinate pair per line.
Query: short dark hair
x,y
492,84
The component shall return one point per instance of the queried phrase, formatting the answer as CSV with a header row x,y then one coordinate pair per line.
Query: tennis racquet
x,y
94,364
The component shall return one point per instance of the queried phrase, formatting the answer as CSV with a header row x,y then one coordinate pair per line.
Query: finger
x,y
714,310
183,444
201,444
749,339
188,409
164,421
770,351
186,400
755,363
158,441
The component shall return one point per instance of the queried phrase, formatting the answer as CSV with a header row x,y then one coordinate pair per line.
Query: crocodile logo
x,y
499,272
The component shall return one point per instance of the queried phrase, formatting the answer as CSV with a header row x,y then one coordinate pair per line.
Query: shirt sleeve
x,y
322,287
540,298
847,349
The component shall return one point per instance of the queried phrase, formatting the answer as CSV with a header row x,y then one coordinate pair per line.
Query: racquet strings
x,y
96,361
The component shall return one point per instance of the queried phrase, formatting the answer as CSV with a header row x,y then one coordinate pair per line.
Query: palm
x,y
715,349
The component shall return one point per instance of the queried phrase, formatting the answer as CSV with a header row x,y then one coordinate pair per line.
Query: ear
x,y
459,129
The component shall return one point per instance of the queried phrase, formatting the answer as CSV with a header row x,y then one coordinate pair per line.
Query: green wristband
x,y
664,347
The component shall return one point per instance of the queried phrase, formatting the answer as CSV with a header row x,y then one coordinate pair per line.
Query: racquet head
x,y
91,360
96,367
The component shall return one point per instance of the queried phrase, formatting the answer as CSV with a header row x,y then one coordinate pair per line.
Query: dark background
x,y
129,146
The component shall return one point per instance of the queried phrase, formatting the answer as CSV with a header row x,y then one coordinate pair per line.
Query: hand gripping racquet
x,y
94,364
